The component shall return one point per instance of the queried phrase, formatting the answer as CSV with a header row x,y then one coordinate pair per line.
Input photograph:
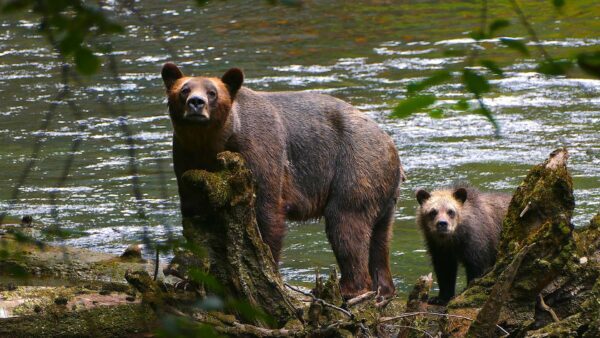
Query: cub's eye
x,y
184,91
451,213
212,94
432,213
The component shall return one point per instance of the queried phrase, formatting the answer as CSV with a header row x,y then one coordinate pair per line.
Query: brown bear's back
x,y
330,148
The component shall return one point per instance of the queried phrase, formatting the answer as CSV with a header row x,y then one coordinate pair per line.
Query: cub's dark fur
x,y
312,155
460,224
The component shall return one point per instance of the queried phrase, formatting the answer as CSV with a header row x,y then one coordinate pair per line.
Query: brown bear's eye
x,y
432,213
212,94
451,213
185,91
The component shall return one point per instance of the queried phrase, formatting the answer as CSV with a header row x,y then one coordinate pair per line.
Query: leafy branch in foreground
x,y
69,25
474,82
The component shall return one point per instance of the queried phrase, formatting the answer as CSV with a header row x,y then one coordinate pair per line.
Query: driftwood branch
x,y
320,301
360,299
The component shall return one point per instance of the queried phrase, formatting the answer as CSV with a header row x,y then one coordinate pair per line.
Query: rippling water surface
x,y
364,52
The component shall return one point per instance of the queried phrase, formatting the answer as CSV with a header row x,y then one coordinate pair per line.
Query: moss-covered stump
x,y
227,230
544,271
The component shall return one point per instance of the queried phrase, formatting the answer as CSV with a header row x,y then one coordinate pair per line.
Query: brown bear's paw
x,y
438,301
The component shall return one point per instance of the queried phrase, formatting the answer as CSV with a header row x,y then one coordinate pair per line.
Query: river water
x,y
364,52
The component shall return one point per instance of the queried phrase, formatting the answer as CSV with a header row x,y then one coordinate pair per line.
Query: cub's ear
x,y
233,79
460,194
170,73
422,196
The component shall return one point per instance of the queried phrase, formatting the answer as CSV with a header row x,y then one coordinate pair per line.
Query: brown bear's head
x,y
439,211
200,101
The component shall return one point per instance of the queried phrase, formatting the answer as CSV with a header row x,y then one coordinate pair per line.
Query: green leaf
x,y
435,79
87,63
69,41
498,24
436,113
14,5
483,110
210,282
590,63
475,83
492,66
461,104
249,312
411,105
201,2
515,44
478,35
554,67
558,3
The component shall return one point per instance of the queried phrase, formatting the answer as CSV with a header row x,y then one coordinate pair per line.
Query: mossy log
x,y
227,230
48,291
125,320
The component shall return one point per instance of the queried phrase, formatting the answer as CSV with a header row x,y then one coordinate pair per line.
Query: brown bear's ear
x,y
170,73
422,196
233,79
460,194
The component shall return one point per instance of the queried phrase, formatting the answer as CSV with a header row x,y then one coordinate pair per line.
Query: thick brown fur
x,y
460,224
312,155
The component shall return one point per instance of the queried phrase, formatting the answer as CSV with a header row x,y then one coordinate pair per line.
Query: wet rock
x,y
133,253
61,301
27,221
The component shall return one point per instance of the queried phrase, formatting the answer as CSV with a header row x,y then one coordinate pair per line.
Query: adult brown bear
x,y
311,155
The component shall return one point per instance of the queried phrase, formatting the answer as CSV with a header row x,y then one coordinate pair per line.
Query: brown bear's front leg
x,y
271,222
349,235
445,265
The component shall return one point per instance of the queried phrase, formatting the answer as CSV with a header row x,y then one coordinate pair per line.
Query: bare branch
x,y
412,314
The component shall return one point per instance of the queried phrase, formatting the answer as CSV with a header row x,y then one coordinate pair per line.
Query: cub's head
x,y
439,211
201,101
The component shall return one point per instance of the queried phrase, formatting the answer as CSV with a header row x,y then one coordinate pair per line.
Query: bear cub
x,y
311,155
460,224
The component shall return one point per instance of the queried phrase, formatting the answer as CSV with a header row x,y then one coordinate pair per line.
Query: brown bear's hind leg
x,y
349,235
379,255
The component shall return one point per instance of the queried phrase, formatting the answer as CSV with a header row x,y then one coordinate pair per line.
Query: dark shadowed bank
x,y
544,284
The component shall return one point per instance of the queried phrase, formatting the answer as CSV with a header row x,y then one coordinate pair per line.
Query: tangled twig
x,y
411,314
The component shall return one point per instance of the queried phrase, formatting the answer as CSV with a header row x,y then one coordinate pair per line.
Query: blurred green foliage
x,y
475,82
70,25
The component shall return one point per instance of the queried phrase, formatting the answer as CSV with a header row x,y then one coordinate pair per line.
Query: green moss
x,y
213,185
473,297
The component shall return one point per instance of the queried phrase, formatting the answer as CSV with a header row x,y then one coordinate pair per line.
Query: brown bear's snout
x,y
442,226
196,104
195,109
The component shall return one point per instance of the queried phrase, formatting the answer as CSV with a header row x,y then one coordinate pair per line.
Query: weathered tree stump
x,y
226,229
